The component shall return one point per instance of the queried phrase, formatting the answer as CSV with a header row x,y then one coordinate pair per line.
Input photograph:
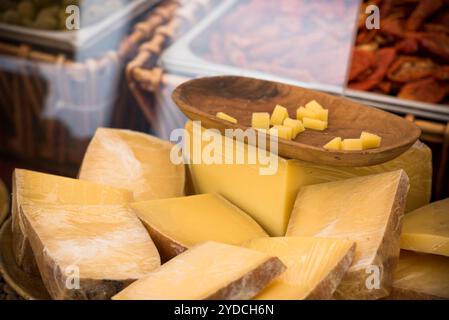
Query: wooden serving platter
x,y
202,98
4,202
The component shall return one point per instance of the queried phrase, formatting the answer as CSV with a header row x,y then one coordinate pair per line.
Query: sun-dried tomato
x,y
426,90
362,60
407,68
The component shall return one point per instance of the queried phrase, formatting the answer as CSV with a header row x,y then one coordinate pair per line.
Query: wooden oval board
x,y
27,286
4,202
239,97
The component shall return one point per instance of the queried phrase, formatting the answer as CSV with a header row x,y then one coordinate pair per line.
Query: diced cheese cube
x,y
370,140
314,124
367,210
334,144
322,115
314,106
302,113
211,270
351,145
278,116
284,132
177,224
226,117
260,120
296,125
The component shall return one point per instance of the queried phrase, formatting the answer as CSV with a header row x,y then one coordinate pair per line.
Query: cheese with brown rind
x,y
421,276
367,210
315,266
177,224
88,252
208,271
35,187
133,161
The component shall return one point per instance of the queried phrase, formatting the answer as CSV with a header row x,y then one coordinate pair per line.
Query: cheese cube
x,y
296,125
315,266
351,145
278,116
284,132
260,120
133,161
302,113
177,224
212,271
30,187
105,246
370,140
420,276
334,144
367,210
244,186
427,229
314,106
322,115
226,117
314,124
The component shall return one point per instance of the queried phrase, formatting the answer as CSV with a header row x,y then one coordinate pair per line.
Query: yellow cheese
x,y
367,210
260,120
278,116
179,223
314,124
302,113
207,271
134,161
427,229
226,117
34,187
315,266
105,247
284,132
322,115
244,186
296,125
314,106
334,144
370,140
421,276
352,144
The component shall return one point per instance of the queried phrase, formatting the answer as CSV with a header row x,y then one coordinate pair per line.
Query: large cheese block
x,y
210,270
315,266
245,186
420,276
34,187
179,223
88,252
134,161
367,210
427,229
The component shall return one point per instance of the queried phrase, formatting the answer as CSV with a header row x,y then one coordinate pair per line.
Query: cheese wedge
x,y
367,210
420,276
179,223
427,229
88,252
134,161
243,185
31,187
226,117
315,266
212,271
334,144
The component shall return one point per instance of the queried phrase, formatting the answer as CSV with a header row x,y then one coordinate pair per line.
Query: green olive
x,y
11,17
26,9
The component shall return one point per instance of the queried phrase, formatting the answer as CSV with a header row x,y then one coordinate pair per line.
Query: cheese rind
x,y
226,117
420,276
105,247
210,270
278,116
31,187
315,266
177,224
367,210
427,229
134,161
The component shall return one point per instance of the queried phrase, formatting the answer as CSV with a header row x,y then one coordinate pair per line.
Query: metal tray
x,y
180,59
75,40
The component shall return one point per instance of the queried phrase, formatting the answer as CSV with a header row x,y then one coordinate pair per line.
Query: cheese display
x,y
244,186
278,116
370,140
315,266
352,144
31,187
314,124
260,120
134,161
334,144
367,210
179,223
427,229
226,117
207,271
421,276
88,252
